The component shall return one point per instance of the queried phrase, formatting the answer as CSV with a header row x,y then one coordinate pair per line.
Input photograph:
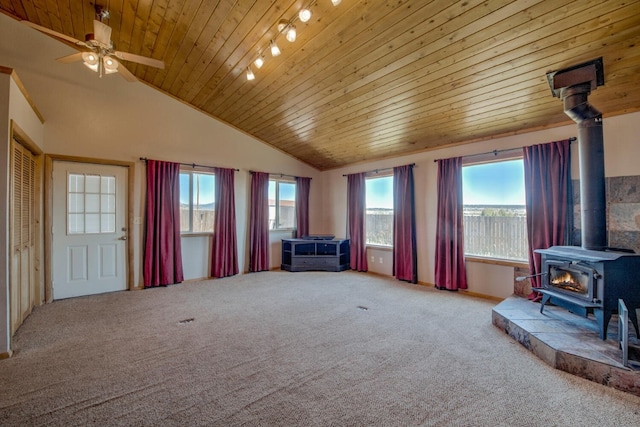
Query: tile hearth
x,y
570,342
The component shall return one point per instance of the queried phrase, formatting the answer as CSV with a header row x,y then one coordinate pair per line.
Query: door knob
x,y
122,238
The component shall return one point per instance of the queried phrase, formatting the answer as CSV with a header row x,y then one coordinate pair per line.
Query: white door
x,y
89,229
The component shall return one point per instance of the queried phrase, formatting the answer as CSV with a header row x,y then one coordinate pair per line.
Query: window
x,y
282,204
197,202
91,204
379,210
495,223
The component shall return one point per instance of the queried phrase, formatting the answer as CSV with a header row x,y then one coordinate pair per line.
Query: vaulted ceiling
x,y
367,79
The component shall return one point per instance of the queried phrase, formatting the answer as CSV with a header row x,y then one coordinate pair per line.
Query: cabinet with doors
x,y
315,255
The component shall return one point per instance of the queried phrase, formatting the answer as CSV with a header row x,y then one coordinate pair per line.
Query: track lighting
x,y
275,50
291,33
286,28
304,15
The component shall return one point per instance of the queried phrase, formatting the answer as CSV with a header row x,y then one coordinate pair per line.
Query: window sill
x,y
200,234
380,248
497,261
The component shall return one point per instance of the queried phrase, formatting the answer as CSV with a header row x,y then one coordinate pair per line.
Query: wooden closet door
x,y
22,280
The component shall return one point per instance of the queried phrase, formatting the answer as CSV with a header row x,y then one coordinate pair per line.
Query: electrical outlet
x,y
380,260
373,259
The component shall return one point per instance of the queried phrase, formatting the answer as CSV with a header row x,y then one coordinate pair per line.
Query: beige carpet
x,y
285,349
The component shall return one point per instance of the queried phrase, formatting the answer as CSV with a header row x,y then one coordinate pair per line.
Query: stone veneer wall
x,y
623,221
623,212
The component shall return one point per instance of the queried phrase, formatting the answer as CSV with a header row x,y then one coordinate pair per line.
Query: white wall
x,y
110,118
622,151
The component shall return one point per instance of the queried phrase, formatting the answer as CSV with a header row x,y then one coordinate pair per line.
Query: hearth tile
x,y
517,314
543,350
575,347
595,355
545,325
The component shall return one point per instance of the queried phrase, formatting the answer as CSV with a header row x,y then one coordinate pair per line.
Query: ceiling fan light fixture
x,y
90,58
291,33
275,50
110,65
250,75
304,15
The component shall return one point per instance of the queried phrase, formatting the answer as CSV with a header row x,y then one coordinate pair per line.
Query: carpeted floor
x,y
285,349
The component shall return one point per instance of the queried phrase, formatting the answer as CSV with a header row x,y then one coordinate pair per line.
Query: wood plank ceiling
x,y
368,79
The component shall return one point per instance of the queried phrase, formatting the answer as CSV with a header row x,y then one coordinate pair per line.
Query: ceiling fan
x,y
97,50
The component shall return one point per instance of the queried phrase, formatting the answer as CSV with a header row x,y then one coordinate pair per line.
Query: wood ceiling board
x,y
386,76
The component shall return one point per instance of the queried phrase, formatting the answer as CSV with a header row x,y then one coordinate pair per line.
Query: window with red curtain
x,y
162,245
450,271
259,222
405,264
547,177
356,219
224,250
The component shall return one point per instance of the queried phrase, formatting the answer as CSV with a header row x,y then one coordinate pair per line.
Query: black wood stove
x,y
590,282
589,279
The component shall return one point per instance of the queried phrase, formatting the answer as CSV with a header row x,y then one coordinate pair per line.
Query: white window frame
x,y
276,224
190,172
366,234
494,158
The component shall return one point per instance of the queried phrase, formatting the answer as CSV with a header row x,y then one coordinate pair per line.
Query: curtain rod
x,y
379,170
193,165
495,152
282,174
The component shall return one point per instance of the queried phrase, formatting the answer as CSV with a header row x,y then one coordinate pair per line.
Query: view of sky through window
x,y
203,189
497,183
379,194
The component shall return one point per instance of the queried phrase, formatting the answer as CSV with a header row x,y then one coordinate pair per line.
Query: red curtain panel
x,y
356,221
405,264
548,194
303,186
162,247
259,222
450,271
224,250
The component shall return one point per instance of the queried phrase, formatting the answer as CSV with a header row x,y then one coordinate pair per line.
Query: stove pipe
x,y
591,155
573,86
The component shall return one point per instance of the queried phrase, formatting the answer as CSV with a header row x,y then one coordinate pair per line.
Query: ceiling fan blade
x,y
54,33
70,58
102,33
126,74
144,60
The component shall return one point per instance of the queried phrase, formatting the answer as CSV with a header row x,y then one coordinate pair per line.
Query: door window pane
x,y
91,204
